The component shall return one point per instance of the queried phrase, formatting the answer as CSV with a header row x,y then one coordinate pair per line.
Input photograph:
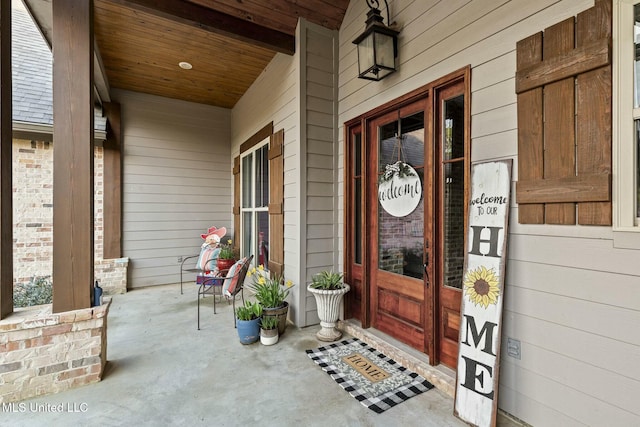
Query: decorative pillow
x,y
207,253
211,278
232,278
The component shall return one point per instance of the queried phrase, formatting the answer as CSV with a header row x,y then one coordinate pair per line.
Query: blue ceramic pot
x,y
248,330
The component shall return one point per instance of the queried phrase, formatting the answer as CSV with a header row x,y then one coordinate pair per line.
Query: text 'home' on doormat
x,y
375,380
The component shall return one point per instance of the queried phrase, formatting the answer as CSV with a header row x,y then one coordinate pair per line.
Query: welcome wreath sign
x,y
476,399
399,189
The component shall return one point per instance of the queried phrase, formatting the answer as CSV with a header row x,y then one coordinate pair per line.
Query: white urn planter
x,y
328,303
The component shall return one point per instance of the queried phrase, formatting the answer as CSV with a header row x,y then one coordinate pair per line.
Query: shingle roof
x,y
32,70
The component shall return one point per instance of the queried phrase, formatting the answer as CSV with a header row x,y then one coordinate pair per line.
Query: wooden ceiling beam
x,y
216,22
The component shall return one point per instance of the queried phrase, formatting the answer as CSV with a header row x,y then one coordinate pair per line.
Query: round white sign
x,y
400,195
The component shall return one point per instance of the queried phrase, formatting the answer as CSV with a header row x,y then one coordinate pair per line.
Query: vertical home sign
x,y
476,399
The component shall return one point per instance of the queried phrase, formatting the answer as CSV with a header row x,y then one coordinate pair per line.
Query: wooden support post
x,y
6,198
73,109
112,204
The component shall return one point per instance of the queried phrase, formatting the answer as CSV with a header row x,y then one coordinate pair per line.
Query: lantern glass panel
x,y
384,50
365,54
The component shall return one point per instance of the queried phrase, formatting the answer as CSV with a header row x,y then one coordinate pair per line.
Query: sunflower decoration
x,y
481,286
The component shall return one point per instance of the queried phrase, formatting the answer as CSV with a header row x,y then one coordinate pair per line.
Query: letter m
x,y
486,333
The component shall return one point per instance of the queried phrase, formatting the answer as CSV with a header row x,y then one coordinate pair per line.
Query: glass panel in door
x,y
398,235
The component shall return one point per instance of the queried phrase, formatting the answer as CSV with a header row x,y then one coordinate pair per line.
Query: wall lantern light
x,y
377,46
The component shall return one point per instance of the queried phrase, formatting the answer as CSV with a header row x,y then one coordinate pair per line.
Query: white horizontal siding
x,y
572,299
176,182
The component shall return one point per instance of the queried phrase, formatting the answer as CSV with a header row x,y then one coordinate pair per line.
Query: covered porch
x,y
165,372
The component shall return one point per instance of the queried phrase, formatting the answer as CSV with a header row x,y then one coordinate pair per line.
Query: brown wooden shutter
x,y
276,203
236,202
563,84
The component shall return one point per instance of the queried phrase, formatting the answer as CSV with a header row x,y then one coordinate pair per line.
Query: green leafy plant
x,y
249,311
269,322
37,291
327,280
399,169
269,292
227,251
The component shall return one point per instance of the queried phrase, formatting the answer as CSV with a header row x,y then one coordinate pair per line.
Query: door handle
x,y
426,261
426,254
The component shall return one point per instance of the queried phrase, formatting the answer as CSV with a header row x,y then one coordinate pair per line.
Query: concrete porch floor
x,y
162,371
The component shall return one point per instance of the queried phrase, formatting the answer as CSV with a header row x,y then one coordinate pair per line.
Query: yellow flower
x,y
481,286
289,283
261,267
262,280
229,241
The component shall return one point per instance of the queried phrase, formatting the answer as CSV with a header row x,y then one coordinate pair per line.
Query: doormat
x,y
375,380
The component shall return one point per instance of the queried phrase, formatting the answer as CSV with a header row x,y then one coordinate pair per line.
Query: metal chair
x,y
206,261
209,252
224,283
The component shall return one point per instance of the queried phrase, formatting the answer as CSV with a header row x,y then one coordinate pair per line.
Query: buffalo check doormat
x,y
375,380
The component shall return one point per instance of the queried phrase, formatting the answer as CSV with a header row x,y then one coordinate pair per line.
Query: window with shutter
x,y
254,203
259,198
563,83
626,112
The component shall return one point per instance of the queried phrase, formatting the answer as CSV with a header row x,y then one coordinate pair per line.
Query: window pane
x,y
401,239
262,177
388,147
357,158
636,56
356,234
262,250
453,233
638,168
246,180
357,221
247,232
453,137
412,130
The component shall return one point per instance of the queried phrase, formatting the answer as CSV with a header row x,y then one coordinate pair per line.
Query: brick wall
x,y
32,209
43,353
33,217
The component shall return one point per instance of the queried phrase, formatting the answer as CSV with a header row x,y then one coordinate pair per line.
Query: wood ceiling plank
x,y
282,14
141,42
223,68
200,17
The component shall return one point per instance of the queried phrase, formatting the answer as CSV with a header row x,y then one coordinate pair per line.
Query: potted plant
x,y
271,292
226,256
328,289
269,330
248,322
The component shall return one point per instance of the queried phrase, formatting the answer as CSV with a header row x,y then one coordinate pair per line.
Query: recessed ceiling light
x,y
185,65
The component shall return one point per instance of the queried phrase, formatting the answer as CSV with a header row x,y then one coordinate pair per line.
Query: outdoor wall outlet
x,y
513,348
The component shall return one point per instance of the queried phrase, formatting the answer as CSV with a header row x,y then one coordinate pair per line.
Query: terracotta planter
x,y
225,264
279,313
328,303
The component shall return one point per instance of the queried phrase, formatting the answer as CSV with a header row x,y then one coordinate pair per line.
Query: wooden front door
x,y
405,270
397,285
